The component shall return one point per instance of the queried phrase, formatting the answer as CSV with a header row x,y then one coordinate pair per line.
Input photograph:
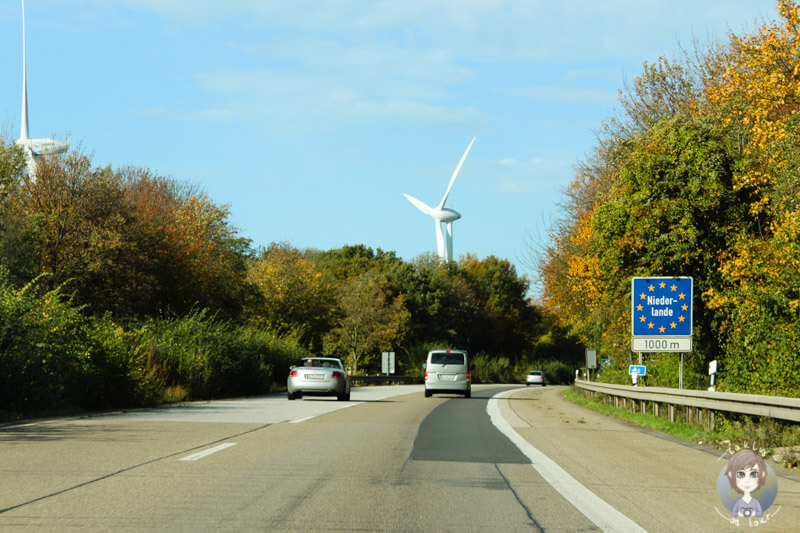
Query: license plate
x,y
447,376
315,376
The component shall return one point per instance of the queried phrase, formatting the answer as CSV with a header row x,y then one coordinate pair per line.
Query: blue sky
x,y
310,118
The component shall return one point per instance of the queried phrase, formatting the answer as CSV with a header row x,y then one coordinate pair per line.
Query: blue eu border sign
x,y
661,314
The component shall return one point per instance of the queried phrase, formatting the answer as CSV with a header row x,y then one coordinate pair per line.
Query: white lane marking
x,y
302,419
606,517
339,408
206,453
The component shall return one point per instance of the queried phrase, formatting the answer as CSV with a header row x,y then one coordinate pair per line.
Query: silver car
x,y
318,376
535,377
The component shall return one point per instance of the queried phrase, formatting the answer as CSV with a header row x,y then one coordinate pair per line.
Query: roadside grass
x,y
731,433
676,429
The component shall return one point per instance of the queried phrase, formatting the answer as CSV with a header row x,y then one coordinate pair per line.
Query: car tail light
x,y
467,376
426,376
336,374
294,373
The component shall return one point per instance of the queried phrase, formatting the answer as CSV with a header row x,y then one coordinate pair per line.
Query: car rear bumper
x,y
306,386
433,384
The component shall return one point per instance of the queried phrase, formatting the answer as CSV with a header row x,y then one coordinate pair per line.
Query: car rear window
x,y
447,358
319,363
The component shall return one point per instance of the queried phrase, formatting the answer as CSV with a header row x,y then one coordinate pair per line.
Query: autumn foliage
x,y
698,177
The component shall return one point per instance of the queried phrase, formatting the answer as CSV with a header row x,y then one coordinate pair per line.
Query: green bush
x,y
106,374
54,357
487,369
558,373
42,338
209,358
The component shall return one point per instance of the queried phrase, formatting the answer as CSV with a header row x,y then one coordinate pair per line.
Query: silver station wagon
x,y
318,376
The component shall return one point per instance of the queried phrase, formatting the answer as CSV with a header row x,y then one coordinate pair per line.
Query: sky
x,y
309,119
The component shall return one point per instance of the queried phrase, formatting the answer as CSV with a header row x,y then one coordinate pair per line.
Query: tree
x,y
505,322
370,319
294,300
17,250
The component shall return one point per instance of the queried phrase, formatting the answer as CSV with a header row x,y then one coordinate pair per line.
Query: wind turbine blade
x,y
422,206
439,239
455,174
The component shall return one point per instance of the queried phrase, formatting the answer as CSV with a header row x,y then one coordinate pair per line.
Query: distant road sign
x,y
387,362
591,358
639,370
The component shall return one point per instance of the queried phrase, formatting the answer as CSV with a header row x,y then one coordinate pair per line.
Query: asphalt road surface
x,y
509,459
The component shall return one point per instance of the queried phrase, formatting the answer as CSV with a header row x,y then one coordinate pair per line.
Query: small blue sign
x,y
661,306
639,370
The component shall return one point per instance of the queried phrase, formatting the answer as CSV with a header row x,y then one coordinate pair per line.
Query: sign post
x,y
635,371
661,315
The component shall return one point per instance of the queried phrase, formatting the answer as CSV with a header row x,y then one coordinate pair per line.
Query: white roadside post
x,y
712,371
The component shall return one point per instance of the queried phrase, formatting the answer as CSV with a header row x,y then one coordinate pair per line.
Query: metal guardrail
x,y
705,401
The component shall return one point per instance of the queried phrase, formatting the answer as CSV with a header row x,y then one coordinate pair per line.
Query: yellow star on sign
x,y
662,284
651,288
681,318
642,318
673,325
673,288
662,329
651,325
682,296
685,307
639,307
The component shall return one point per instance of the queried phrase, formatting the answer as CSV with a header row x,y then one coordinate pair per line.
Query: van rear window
x,y
447,358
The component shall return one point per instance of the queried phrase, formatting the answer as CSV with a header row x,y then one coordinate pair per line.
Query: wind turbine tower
x,y
443,215
34,148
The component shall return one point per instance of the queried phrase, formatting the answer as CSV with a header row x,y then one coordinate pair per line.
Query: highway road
x,y
508,459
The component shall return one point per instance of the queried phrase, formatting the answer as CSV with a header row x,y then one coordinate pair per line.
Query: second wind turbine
x,y
443,215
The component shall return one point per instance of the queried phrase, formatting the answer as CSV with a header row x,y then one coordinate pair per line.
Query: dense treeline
x,y
698,177
122,287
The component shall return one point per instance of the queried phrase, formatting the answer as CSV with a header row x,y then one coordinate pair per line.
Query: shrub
x,y
486,369
42,337
209,358
558,373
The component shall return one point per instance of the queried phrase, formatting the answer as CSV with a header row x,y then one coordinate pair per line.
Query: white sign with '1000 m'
x,y
643,344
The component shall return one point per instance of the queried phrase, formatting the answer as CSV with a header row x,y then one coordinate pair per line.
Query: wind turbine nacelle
x,y
446,214
44,146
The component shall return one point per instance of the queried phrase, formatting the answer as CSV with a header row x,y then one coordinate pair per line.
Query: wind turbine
x,y
34,148
443,215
